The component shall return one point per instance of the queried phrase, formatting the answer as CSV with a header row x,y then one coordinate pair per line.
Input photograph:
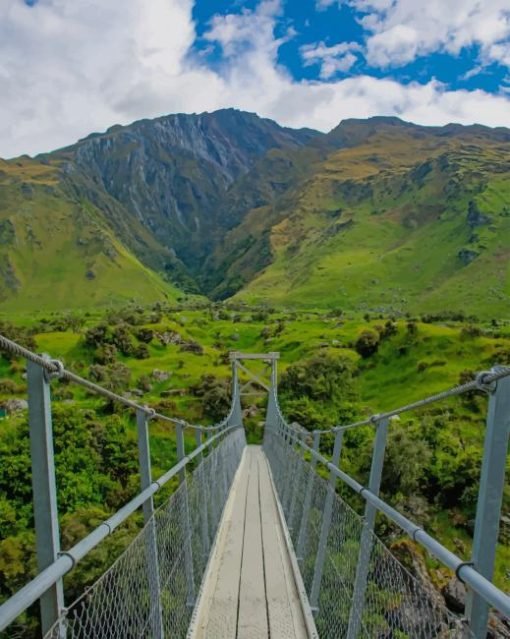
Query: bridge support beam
x,y
326,524
374,484
187,531
47,532
303,528
144,456
488,511
295,477
204,515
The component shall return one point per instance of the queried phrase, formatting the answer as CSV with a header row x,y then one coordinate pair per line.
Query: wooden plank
x,y
252,621
217,609
283,603
250,591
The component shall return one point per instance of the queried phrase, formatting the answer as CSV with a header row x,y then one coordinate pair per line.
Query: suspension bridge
x,y
256,541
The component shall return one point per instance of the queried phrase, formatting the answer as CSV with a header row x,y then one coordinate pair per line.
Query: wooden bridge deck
x,y
250,589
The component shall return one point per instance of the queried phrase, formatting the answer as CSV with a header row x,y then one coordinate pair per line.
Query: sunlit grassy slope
x,y
387,226
57,252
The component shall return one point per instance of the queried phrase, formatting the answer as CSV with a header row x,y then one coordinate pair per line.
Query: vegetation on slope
x,y
57,252
378,214
376,229
334,367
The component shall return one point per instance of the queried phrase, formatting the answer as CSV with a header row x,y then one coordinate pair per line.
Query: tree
x,y
406,459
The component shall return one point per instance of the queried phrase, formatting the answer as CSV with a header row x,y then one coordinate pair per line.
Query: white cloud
x,y
401,30
338,57
70,68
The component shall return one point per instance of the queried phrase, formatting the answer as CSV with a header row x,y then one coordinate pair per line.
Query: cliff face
x,y
173,174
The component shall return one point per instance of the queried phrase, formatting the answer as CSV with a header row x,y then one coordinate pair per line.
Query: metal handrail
x,y
68,559
54,572
56,369
465,572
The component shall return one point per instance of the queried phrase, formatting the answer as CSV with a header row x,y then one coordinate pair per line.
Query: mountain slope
x,y
173,173
379,215
56,252
408,220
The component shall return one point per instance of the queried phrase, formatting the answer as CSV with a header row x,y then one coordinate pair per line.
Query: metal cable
x,y
483,381
56,369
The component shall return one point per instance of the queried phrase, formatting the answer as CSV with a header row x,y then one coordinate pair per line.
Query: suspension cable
x,y
56,369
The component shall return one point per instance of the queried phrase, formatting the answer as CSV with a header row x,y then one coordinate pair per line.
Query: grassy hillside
x,y
374,229
378,215
57,252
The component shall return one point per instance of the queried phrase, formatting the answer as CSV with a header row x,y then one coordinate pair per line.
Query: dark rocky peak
x,y
229,139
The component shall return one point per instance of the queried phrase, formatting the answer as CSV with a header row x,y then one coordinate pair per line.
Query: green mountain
x,y
378,214
399,218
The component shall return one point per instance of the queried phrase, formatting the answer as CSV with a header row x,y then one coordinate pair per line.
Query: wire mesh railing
x,y
138,597
396,604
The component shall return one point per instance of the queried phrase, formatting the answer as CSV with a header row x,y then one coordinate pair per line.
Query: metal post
x,y
223,462
144,456
289,470
188,554
272,422
236,418
362,568
326,524
44,488
213,486
488,511
303,528
203,493
297,481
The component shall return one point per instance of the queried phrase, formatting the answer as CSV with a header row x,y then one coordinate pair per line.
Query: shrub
x,y
105,354
145,335
367,344
470,332
215,395
141,352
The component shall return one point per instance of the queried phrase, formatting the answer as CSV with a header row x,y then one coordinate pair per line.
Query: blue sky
x,y
311,23
70,68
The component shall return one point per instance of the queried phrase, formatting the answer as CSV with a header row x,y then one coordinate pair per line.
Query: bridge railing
x,y
151,590
144,586
355,586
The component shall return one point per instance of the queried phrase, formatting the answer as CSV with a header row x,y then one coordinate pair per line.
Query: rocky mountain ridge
x,y
229,203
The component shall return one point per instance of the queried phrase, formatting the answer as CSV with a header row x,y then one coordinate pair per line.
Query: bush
x,y
390,328
367,344
406,459
105,354
145,335
115,377
470,332
320,389
215,395
9,387
142,352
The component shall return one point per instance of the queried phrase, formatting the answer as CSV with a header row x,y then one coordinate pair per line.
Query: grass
x,y
405,368
390,242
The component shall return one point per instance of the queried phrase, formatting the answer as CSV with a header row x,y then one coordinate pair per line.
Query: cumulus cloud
x,y
401,30
69,68
332,59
